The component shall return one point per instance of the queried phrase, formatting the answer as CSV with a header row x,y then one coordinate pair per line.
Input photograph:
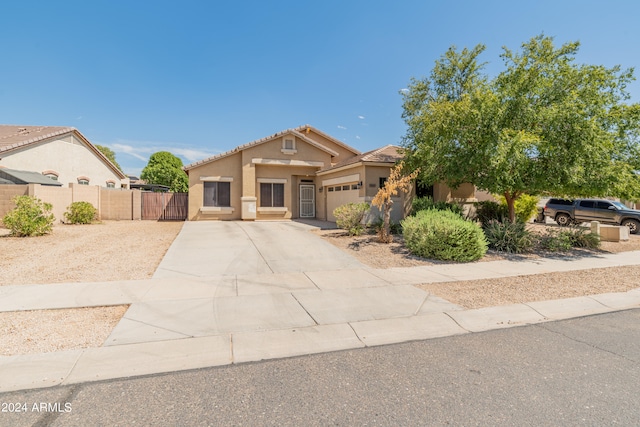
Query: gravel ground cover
x,y
129,250
111,250
493,292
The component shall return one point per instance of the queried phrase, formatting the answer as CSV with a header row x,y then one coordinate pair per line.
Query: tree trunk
x,y
511,205
385,232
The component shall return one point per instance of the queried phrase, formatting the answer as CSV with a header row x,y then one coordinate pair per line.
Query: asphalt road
x,y
578,372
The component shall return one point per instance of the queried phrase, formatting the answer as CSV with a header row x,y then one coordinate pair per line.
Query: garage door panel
x,y
339,198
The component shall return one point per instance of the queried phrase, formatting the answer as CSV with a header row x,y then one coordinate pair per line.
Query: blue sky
x,y
200,77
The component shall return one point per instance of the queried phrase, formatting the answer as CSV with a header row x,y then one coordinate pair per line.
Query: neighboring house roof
x,y
387,154
16,137
26,177
298,132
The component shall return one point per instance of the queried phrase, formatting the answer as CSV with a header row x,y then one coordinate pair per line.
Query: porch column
x,y
248,198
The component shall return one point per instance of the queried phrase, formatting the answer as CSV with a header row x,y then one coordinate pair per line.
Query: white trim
x,y
216,178
341,180
221,210
272,180
273,210
276,162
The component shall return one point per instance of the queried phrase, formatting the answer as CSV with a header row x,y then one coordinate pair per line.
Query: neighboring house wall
x,y
69,157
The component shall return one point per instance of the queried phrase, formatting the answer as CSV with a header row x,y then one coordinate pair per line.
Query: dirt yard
x,y
112,250
125,250
492,292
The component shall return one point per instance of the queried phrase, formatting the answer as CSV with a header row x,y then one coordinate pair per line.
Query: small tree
x,y
397,182
109,154
166,169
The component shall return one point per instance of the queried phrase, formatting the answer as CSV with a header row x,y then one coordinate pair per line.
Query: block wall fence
x,y
112,204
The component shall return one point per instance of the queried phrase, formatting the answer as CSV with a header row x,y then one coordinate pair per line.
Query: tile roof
x,y
387,154
17,136
298,132
12,136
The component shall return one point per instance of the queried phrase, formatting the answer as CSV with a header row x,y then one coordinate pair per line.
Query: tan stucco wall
x,y
343,153
464,193
401,203
68,156
246,173
230,166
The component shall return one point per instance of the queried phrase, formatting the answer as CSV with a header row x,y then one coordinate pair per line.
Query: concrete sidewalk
x,y
200,320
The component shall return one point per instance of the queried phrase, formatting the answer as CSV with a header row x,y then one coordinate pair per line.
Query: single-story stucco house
x,y
296,173
61,153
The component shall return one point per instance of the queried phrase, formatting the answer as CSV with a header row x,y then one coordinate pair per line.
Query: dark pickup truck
x,y
567,212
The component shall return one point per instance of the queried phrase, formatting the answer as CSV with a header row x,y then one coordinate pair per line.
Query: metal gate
x,y
165,206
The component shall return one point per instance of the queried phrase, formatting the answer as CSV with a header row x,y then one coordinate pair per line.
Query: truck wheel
x,y
633,224
563,219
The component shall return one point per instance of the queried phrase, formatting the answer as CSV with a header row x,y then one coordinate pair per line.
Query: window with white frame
x,y
217,193
111,184
271,195
83,181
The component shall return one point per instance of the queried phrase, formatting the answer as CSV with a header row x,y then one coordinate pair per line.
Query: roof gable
x,y
300,132
388,154
14,137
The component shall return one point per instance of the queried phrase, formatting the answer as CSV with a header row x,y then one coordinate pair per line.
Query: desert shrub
x,y
443,235
569,238
349,217
425,203
582,238
378,224
487,211
508,237
31,217
526,207
556,241
80,213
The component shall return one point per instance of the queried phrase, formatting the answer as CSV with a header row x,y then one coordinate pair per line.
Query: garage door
x,y
338,195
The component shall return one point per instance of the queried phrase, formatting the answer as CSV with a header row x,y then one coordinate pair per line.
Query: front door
x,y
307,201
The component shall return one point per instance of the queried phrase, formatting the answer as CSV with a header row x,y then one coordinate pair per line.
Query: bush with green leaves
x,y
349,217
31,217
425,203
394,227
80,213
509,237
443,235
569,238
526,207
487,211
583,238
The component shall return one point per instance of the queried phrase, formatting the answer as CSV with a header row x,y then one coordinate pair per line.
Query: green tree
x,y
164,168
109,154
544,124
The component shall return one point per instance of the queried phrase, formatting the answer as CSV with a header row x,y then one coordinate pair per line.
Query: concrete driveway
x,y
214,248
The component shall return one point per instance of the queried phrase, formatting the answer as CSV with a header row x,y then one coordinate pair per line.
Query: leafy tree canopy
x,y
109,154
543,125
164,168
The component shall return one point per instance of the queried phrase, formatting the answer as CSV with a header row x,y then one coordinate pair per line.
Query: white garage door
x,y
338,195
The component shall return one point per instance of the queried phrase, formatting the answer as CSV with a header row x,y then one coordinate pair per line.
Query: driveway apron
x,y
214,248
